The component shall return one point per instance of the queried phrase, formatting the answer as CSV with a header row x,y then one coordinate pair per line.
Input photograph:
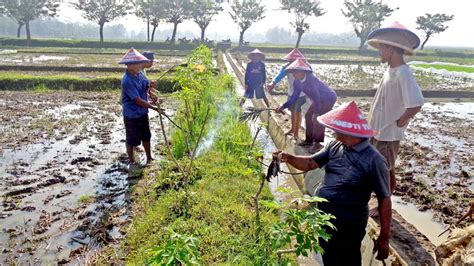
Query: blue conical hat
x,y
133,57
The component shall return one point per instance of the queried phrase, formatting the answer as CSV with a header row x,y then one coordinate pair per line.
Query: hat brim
x,y
293,70
410,34
256,56
134,62
375,43
368,135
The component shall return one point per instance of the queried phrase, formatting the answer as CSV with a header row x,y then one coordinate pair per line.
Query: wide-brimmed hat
x,y
256,54
293,55
149,55
299,65
347,119
133,57
396,35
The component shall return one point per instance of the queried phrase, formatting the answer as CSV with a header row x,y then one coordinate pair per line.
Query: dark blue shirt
x,y
319,93
133,86
351,176
255,74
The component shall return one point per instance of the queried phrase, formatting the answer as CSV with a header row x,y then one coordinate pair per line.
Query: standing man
x,y
322,100
398,97
151,57
354,169
295,109
255,76
135,105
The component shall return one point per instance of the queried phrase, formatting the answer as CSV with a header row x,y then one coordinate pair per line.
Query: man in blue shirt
x,y
255,76
354,169
135,105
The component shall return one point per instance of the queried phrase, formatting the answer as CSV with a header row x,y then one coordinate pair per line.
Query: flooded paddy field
x,y
77,60
63,181
363,77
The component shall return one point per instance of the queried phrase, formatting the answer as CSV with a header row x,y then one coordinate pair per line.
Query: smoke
x,y
224,110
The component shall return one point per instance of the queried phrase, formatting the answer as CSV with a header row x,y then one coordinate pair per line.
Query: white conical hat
x,y
299,64
395,35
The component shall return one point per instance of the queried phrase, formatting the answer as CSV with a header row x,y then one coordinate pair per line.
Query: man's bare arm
x,y
304,163
407,115
385,212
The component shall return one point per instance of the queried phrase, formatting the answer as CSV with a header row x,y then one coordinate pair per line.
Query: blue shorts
x,y
258,91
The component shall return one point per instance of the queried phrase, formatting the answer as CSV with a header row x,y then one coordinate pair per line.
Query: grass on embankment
x,y
43,81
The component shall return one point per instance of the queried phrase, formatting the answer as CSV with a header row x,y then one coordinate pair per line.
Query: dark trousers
x,y
344,246
314,130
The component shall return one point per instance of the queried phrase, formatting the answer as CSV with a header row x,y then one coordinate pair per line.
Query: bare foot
x,y
289,133
374,212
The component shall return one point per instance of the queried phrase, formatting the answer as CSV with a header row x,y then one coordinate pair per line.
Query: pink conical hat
x,y
293,55
256,53
299,64
347,119
133,57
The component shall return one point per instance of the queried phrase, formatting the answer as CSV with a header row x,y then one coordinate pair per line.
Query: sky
x,y
460,32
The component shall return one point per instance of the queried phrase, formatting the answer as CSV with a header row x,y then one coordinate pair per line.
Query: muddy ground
x,y
63,182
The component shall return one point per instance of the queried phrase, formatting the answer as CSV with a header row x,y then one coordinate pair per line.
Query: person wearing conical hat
x,y
353,170
295,109
135,105
151,57
321,96
398,97
255,76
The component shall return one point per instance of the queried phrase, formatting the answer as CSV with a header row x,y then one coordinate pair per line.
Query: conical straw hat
x,y
299,64
293,55
396,35
256,54
133,57
349,120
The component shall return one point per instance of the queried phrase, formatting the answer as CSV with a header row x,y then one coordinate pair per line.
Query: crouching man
x,y
135,105
354,169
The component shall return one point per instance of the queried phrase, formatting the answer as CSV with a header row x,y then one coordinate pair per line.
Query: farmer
x,y
150,56
321,96
135,105
398,97
255,76
354,169
295,109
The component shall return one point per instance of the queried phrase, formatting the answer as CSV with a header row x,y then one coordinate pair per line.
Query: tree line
x,y
364,15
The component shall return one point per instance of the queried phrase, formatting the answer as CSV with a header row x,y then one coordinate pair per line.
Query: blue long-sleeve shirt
x,y
281,75
314,88
255,74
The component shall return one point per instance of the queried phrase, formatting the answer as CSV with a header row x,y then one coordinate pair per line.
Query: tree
x,y
25,11
102,11
432,24
152,11
202,13
365,16
302,10
176,12
246,13
144,11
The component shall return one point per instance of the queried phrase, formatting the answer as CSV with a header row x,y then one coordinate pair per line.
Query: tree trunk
x,y
361,45
241,38
300,33
426,40
18,32
175,29
28,33
101,32
148,29
203,31
153,33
